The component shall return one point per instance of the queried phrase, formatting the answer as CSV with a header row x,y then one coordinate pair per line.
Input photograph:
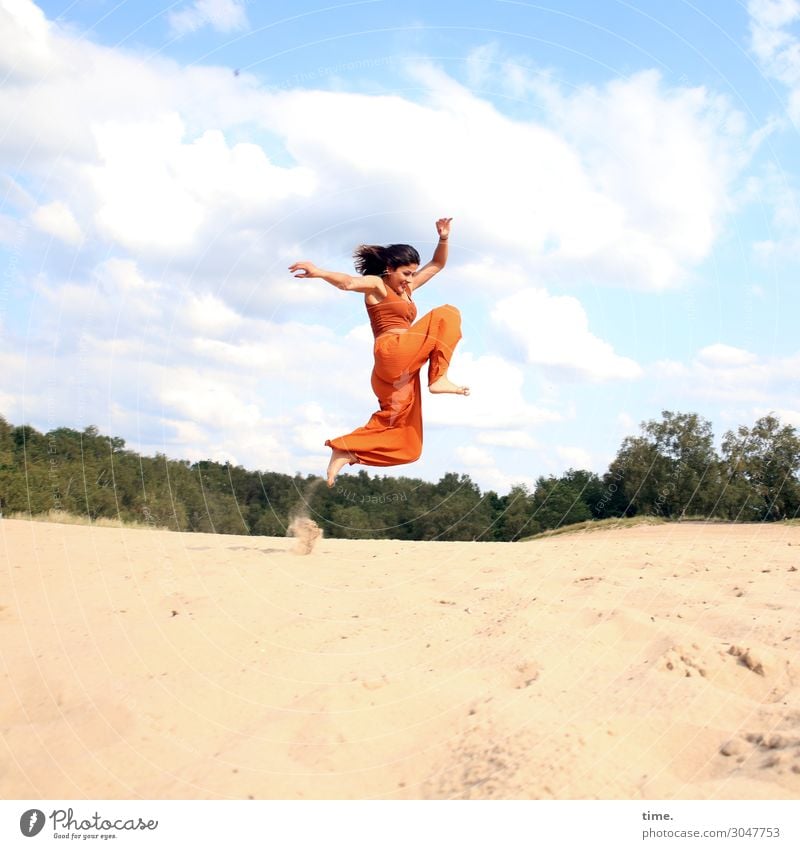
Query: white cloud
x,y
10,230
57,220
114,302
775,46
209,315
139,201
723,373
552,331
725,355
123,275
630,180
480,465
488,67
222,15
14,195
139,353
667,159
785,416
264,356
777,49
487,274
312,425
207,400
507,439
574,457
25,48
779,192
496,400
155,192
663,159
626,421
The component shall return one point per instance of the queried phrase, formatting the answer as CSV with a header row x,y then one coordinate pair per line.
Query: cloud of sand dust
x,y
301,526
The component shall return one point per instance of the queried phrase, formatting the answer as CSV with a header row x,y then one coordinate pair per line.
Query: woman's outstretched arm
x,y
345,282
439,259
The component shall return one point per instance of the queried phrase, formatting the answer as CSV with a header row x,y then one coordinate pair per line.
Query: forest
x,y
671,470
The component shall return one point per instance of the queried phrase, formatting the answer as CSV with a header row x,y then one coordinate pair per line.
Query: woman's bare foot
x,y
445,386
339,459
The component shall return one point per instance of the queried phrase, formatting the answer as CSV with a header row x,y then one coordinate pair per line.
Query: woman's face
x,y
403,275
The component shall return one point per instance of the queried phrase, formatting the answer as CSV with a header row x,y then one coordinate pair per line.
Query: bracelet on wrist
x,y
443,238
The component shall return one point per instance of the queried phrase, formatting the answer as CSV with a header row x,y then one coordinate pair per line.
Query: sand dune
x,y
651,662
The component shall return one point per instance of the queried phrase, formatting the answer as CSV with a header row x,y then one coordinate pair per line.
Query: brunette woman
x,y
387,278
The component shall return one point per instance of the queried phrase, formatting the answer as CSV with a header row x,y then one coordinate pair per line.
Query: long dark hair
x,y
376,259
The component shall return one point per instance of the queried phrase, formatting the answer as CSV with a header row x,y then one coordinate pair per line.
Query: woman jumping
x,y
389,275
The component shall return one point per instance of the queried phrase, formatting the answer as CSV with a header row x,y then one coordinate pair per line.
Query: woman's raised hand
x,y
443,227
304,269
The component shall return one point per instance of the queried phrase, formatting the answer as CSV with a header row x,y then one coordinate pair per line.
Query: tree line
x,y
671,469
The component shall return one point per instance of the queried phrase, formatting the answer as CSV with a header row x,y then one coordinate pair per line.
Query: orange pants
x,y
393,435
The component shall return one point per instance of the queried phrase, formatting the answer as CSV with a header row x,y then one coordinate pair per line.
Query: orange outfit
x,y
393,435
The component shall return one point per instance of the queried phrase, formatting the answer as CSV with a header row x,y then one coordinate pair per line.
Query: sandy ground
x,y
652,662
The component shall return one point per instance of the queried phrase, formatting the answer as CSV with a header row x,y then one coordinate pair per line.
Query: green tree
x,y
766,459
515,515
350,521
457,511
671,469
559,501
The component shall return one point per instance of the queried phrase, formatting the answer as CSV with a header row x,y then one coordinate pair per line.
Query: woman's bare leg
x,y
339,459
444,386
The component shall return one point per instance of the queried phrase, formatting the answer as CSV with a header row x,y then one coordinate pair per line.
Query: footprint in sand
x,y
686,662
524,675
691,661
480,764
745,671
748,659
758,751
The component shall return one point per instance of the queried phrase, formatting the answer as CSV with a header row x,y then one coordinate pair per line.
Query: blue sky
x,y
623,179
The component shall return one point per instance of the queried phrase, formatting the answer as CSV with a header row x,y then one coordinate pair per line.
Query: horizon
x,y
386,472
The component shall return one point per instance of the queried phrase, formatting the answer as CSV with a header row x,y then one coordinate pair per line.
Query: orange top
x,y
392,313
